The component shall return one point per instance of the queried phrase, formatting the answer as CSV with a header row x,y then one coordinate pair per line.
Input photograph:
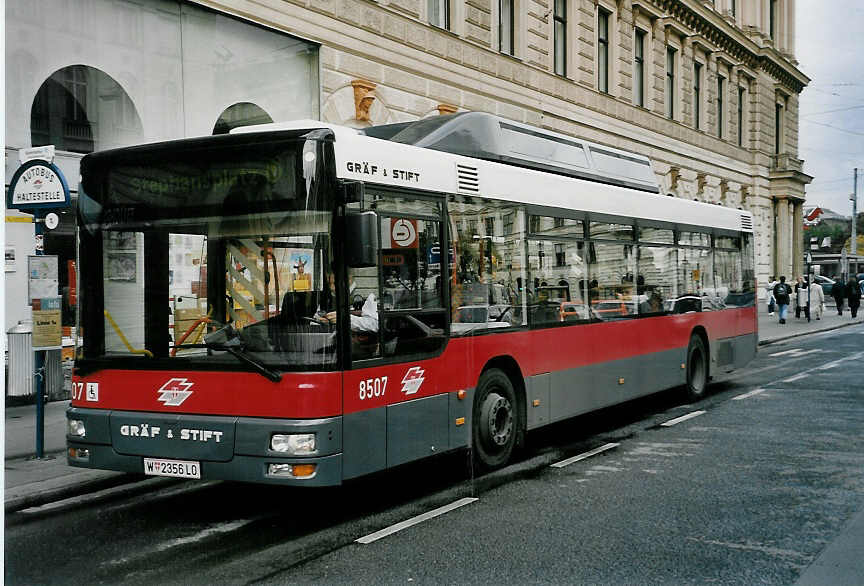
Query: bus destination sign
x,y
38,184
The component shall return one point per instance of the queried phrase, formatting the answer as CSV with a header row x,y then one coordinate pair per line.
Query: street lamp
x,y
809,281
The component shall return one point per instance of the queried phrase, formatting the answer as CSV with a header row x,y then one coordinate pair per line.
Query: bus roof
x,y
386,155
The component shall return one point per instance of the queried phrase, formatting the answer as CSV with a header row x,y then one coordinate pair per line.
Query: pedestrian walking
x,y
782,292
838,292
772,303
817,300
801,298
853,296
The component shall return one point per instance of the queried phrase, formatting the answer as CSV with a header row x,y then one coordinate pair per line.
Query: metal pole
x,y
808,287
855,213
39,360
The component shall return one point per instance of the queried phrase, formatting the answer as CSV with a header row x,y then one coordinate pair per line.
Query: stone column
x,y
782,239
798,237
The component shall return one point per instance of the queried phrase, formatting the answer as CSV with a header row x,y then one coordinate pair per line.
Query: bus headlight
x,y
297,444
76,428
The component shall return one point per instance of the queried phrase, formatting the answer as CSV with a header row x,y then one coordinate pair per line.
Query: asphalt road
x,y
748,492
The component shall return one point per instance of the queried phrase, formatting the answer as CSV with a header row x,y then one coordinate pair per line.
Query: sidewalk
x,y
31,482
771,331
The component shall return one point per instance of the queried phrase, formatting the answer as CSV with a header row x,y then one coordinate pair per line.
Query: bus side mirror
x,y
361,240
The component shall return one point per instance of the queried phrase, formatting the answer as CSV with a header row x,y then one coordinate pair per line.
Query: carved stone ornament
x,y
363,98
447,109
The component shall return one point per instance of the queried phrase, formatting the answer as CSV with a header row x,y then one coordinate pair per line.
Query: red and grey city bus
x,y
305,303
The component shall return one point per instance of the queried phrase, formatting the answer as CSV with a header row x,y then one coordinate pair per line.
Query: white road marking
x,y
584,455
792,351
678,420
752,393
840,361
795,352
792,379
414,521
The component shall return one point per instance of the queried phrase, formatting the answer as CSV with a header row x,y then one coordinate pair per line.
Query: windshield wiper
x,y
226,339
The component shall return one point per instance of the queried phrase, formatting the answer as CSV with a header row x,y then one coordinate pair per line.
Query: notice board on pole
x,y
47,323
42,276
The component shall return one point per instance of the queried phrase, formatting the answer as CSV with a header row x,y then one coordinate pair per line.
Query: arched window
x,y
82,109
240,114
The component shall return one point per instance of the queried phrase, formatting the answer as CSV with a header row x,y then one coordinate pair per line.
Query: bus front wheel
x,y
697,368
495,423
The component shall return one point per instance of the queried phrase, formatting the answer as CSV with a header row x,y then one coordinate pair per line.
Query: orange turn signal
x,y
460,421
303,470
461,394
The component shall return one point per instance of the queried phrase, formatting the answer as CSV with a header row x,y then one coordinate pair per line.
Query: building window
x,y
670,82
697,95
439,13
772,19
720,84
240,114
560,25
603,51
639,68
560,256
82,109
506,26
741,98
778,129
490,225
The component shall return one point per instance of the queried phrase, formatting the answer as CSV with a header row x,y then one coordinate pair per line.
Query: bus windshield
x,y
210,256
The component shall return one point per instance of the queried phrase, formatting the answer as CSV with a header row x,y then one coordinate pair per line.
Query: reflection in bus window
x,y
612,288
655,282
557,280
413,312
487,269
695,280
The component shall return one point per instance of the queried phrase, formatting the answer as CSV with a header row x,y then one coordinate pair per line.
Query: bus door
x,y
399,326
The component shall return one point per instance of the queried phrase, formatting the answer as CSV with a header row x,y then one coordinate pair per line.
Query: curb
x,y
57,494
800,334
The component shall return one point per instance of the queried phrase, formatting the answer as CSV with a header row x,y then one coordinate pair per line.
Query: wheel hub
x,y
499,418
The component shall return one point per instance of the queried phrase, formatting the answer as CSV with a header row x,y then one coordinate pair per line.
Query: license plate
x,y
175,468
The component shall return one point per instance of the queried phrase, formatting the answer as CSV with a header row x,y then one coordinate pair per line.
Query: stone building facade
x,y
708,89
729,137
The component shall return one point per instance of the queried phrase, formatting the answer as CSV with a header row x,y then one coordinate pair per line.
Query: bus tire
x,y
697,368
495,420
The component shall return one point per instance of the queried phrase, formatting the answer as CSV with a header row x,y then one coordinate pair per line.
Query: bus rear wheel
x,y
495,421
697,368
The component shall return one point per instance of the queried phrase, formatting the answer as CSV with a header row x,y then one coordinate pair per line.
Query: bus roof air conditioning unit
x,y
488,137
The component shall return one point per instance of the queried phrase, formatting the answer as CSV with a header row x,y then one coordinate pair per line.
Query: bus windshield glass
x,y
211,256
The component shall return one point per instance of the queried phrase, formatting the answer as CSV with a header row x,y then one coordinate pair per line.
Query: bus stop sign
x,y
37,184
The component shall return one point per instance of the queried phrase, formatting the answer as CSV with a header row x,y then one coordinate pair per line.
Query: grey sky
x,y
829,48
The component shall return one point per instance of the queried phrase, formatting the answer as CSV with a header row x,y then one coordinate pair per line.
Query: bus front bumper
x,y
136,442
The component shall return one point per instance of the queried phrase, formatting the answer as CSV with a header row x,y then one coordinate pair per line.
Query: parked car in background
x,y
824,282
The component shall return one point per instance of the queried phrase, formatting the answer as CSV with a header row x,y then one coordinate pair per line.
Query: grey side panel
x,y
729,354
460,434
364,442
416,429
745,349
580,390
538,399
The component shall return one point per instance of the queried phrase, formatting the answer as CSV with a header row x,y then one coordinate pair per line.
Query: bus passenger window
x,y
612,272
487,278
655,283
